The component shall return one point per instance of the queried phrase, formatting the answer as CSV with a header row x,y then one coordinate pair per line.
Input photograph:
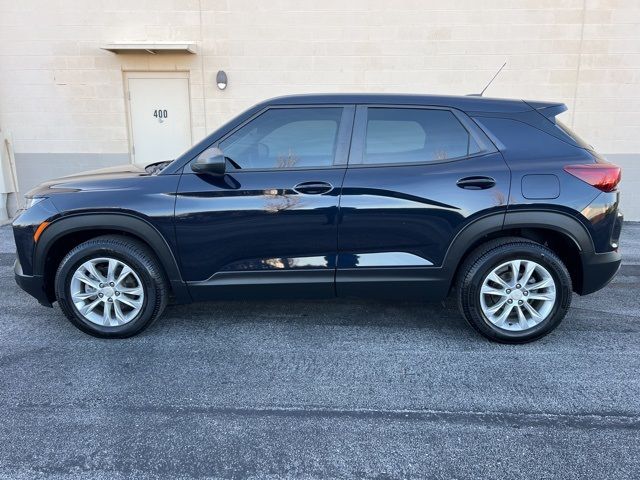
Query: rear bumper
x,y
32,284
598,270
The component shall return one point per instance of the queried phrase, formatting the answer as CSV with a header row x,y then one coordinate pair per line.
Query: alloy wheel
x,y
107,292
517,295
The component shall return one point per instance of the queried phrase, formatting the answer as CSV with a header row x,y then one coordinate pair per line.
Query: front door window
x,y
285,138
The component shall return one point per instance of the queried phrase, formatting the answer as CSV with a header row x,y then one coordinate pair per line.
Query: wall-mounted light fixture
x,y
221,80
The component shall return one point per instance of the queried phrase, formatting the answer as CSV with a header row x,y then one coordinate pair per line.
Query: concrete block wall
x,y
62,97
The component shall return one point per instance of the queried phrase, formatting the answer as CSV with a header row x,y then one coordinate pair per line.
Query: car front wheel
x,y
514,290
111,286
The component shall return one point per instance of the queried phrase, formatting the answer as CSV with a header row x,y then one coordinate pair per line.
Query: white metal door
x,y
160,119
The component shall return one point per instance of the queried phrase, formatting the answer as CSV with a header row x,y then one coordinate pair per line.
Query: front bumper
x,y
598,270
32,284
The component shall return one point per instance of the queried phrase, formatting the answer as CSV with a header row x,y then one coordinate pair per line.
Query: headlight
x,y
31,201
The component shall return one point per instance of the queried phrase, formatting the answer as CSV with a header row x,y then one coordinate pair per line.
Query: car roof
x,y
469,103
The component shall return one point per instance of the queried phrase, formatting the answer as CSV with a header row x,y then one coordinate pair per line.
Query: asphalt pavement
x,y
321,389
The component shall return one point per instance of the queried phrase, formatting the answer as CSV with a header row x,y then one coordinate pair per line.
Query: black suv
x,y
349,195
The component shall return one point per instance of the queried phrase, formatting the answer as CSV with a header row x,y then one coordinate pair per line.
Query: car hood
x,y
111,178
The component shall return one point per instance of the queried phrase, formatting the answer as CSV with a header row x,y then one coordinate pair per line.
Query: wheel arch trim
x,y
124,222
560,222
557,221
459,246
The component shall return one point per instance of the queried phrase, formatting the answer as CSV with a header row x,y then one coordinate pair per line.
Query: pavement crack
x,y
595,420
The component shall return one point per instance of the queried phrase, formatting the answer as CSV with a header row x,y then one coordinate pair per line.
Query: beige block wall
x,y
60,94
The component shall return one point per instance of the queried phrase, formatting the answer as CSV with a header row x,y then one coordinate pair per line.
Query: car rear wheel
x,y
513,290
111,286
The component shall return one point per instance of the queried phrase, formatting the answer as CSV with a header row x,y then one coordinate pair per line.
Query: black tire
x,y
481,262
137,256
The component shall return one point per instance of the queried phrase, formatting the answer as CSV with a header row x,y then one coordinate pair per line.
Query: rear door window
x,y
414,135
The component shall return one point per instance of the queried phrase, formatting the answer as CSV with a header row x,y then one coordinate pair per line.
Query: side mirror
x,y
210,161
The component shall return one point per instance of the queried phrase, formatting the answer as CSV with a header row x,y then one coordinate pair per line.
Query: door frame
x,y
152,74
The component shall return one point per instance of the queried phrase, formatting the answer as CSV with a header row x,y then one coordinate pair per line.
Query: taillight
x,y
603,176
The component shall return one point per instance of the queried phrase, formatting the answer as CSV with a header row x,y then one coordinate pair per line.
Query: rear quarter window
x,y
525,143
572,135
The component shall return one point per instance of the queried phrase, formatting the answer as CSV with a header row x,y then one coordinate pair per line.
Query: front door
x,y
416,177
159,115
270,223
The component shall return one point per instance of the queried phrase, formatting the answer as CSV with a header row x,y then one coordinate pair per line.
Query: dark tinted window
x,y
573,135
286,138
402,135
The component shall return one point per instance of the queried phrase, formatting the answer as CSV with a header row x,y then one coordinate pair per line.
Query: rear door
x,y
416,177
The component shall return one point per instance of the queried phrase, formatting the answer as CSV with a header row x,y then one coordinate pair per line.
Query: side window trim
x,y
343,141
475,132
345,132
356,154
359,133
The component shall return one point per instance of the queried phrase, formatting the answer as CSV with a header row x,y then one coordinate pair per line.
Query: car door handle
x,y
476,183
313,188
